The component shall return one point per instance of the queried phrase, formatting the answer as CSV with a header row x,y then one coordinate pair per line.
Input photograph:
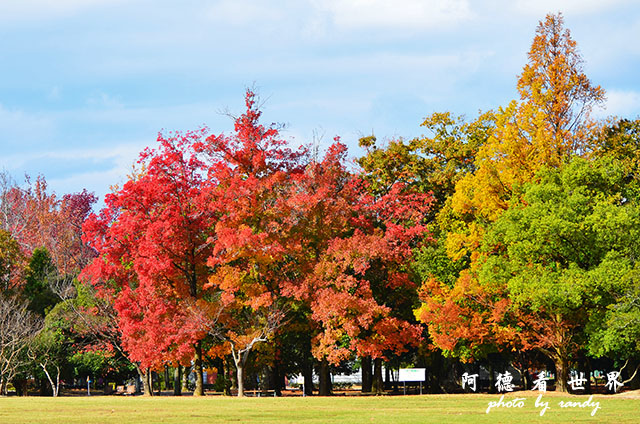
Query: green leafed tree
x,y
37,288
565,252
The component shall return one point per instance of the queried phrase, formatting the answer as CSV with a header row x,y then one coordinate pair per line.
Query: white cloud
x,y
625,104
542,7
25,10
242,12
19,126
381,65
92,168
121,154
104,100
400,14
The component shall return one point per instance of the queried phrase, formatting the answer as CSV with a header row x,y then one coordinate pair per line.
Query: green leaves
x,y
615,332
572,216
36,289
566,250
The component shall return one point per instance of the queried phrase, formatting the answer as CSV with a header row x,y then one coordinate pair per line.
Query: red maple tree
x,y
152,244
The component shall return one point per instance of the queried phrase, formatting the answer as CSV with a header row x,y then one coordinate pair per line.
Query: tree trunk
x,y
3,387
150,382
436,363
365,365
240,359
307,373
562,372
177,383
377,385
197,363
307,367
228,372
220,374
54,386
282,382
396,386
185,379
524,376
387,376
233,375
146,381
137,383
587,375
492,378
167,379
276,378
240,377
155,382
144,376
526,383
325,378
634,384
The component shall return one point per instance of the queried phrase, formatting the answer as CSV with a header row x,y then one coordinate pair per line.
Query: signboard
x,y
411,374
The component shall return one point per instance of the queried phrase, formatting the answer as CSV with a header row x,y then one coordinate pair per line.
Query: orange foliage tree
x,y
248,176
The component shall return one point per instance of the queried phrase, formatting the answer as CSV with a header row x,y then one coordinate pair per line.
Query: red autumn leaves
x,y
219,236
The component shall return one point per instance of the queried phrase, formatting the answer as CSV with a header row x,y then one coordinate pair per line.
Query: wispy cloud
x,y
28,10
243,12
17,126
104,100
622,103
71,170
542,7
398,14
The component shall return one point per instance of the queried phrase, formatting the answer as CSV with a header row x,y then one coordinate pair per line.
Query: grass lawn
x,y
392,409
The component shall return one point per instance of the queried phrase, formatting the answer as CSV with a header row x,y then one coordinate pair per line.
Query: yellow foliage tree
x,y
550,124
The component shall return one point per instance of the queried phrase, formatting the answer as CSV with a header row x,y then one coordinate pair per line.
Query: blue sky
x,y
87,84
